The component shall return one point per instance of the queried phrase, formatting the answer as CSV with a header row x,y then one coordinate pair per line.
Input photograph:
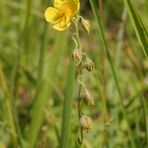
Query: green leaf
x,y
44,91
139,28
69,92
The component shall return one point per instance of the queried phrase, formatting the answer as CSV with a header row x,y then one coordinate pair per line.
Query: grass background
x,y
38,88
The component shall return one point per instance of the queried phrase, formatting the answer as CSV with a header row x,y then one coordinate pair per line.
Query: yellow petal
x,y
75,4
61,26
53,15
59,3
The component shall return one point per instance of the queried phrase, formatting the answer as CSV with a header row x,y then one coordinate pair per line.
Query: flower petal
x,y
53,15
75,4
59,3
61,26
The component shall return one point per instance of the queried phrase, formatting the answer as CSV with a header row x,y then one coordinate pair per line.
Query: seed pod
x,y
77,56
85,24
86,122
87,97
88,64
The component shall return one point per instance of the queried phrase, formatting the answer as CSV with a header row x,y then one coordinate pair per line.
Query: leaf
x,y
139,28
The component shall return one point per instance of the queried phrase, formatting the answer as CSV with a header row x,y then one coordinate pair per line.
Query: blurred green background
x,y
34,61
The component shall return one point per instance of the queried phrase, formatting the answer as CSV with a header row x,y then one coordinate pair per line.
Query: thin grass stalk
x,y
21,7
145,110
15,68
42,52
105,112
69,94
76,23
22,35
138,26
44,91
92,3
8,109
144,105
28,13
120,37
79,106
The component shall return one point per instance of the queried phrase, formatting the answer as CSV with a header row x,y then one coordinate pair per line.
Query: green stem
x,y
76,23
138,26
79,105
105,112
8,109
28,10
44,91
42,52
67,106
144,105
15,68
120,36
112,69
145,110
80,75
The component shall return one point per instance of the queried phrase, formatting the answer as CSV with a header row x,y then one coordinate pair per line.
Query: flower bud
x,y
87,97
85,24
77,56
88,64
86,122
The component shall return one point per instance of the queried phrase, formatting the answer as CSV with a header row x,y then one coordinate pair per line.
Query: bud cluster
x,y
82,59
82,62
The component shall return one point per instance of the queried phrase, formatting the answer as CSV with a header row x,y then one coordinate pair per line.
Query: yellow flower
x,y
62,13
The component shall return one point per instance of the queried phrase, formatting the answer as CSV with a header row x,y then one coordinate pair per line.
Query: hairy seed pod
x,y
85,24
88,64
86,122
86,96
77,56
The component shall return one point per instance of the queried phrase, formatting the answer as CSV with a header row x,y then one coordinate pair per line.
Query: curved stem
x,y
76,23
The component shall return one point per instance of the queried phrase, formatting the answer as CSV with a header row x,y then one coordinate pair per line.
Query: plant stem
x,y
112,69
120,37
42,52
76,23
105,111
144,105
138,26
79,105
64,143
44,91
8,109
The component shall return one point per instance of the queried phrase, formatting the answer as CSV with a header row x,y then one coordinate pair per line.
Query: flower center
x,y
67,10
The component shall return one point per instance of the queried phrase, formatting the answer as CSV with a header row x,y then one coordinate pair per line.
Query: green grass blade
x,y
138,27
8,109
28,12
142,99
44,91
101,34
67,106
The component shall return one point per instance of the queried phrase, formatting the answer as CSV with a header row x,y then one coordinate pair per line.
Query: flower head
x,y
62,13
